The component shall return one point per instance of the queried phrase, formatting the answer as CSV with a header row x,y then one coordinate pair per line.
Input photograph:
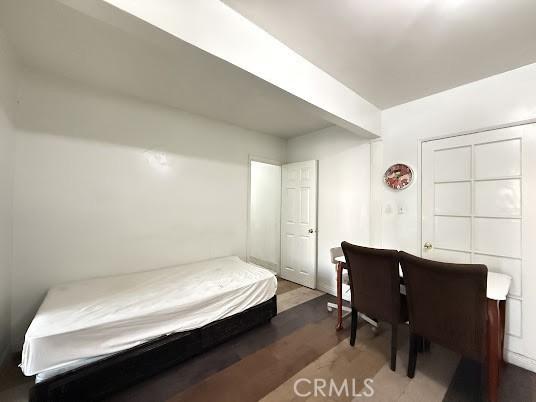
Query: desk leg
x,y
339,296
494,344
502,311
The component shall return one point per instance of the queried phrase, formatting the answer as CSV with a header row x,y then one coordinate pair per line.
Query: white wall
x,y
7,80
89,200
343,191
265,215
502,99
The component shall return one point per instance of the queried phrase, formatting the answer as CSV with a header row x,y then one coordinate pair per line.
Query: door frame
x,y
421,141
261,159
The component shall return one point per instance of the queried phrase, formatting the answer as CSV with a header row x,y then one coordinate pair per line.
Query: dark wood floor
x,y
175,381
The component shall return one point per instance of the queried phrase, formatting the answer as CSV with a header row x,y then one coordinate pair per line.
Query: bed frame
x,y
104,377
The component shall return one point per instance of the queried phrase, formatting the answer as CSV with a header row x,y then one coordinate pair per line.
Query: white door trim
x,y
479,130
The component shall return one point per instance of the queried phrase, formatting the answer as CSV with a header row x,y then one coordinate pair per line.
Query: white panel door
x,y
298,223
475,196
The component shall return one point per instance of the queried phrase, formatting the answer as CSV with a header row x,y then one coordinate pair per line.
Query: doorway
x,y
282,224
264,230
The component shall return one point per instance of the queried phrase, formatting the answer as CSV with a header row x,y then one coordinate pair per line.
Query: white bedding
x,y
80,322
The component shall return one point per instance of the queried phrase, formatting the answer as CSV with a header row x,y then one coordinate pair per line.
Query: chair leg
x,y
413,347
484,382
353,330
394,342
427,344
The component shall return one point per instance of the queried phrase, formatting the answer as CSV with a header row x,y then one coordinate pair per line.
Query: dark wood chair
x,y
375,289
447,305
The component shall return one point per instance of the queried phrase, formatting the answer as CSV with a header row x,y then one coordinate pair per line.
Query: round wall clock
x,y
398,177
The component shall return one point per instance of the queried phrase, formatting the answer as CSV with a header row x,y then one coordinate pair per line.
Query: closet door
x,y
475,192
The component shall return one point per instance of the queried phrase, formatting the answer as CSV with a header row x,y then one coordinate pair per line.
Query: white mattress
x,y
80,322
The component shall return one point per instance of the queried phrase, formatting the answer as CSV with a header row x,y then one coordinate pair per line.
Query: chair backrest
x,y
335,252
374,281
447,303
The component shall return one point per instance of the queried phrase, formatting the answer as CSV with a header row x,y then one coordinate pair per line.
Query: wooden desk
x,y
498,287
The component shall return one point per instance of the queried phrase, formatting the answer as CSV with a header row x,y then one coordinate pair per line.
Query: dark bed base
x,y
99,379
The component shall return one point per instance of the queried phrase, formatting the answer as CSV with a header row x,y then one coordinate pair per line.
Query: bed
x,y
92,337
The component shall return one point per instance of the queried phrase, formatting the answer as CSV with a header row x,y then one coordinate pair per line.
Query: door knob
x,y
428,245
311,231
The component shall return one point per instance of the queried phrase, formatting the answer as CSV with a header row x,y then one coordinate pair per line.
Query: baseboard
x,y
333,291
326,289
521,361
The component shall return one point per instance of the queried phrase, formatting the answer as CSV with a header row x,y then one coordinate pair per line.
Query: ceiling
x,y
394,51
58,39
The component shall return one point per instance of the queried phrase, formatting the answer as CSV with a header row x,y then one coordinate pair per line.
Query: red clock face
x,y
398,176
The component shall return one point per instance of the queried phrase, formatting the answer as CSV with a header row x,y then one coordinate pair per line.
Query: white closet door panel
x,y
453,198
498,159
498,197
452,164
498,236
513,317
450,256
452,233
